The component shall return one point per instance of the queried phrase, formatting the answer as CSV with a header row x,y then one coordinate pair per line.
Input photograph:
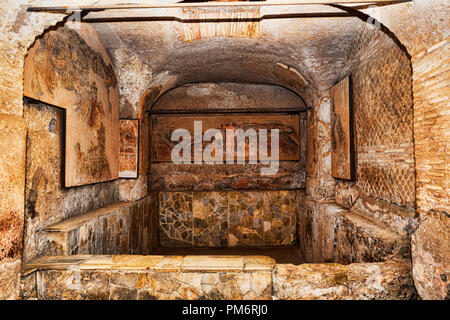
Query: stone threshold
x,y
159,263
190,277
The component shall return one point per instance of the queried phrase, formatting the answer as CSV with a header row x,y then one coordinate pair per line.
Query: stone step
x,y
390,280
210,277
148,277
119,228
330,233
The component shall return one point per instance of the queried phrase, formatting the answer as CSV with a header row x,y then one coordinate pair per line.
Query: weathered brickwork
x,y
418,25
431,258
379,205
432,120
329,233
383,118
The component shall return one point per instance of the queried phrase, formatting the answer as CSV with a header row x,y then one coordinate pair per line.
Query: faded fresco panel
x,y
129,148
341,131
72,70
246,24
162,127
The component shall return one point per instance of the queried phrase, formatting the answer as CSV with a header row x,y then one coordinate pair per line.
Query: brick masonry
x,y
432,120
383,118
210,277
384,187
430,243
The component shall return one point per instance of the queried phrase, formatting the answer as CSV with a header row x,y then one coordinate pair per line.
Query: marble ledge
x,y
77,221
157,263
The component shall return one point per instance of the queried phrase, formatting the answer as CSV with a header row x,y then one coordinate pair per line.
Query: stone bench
x,y
390,280
330,233
210,277
120,228
148,277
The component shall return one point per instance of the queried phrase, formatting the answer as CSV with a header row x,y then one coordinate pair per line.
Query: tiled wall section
x,y
383,117
220,219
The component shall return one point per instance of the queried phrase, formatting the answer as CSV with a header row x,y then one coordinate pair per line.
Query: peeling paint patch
x,y
220,23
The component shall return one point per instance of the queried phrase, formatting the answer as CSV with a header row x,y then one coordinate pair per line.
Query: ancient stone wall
x,y
46,200
208,98
18,31
431,112
211,277
218,205
119,228
431,258
383,118
379,204
384,187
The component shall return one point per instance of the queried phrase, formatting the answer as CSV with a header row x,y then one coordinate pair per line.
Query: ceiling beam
x,y
60,9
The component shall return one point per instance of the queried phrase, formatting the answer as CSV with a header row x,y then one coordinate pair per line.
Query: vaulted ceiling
x,y
152,47
170,48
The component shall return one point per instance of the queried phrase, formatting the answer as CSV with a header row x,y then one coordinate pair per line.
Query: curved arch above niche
x,y
70,68
219,105
227,97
